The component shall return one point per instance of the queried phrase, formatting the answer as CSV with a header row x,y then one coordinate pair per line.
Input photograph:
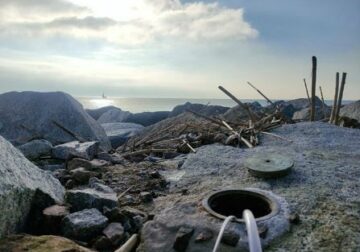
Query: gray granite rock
x,y
351,110
75,149
81,175
114,115
119,133
237,114
53,116
96,113
21,182
304,114
93,165
90,198
209,110
84,225
115,233
147,118
37,148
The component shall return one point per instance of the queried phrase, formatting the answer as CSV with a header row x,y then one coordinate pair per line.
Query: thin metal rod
x,y
221,233
252,231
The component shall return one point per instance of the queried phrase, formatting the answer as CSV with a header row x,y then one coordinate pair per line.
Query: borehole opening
x,y
234,202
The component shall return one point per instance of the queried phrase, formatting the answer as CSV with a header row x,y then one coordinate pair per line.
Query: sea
x,y
137,105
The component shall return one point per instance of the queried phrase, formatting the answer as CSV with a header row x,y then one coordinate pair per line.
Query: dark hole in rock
x,y
234,202
267,161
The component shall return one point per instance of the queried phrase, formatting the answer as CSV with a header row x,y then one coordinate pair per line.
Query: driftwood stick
x,y
244,106
130,244
246,142
275,135
333,111
338,107
313,88
146,151
124,192
307,91
189,146
323,102
205,117
145,139
257,90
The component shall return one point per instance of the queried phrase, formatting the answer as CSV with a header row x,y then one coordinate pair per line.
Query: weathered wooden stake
x,y
307,92
313,88
333,110
323,102
338,107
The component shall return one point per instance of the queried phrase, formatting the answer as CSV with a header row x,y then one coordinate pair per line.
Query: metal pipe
x,y
252,231
222,230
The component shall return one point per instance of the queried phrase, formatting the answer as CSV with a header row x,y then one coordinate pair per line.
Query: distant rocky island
x,y
75,179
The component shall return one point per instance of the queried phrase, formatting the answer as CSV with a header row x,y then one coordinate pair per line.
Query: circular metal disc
x,y
269,165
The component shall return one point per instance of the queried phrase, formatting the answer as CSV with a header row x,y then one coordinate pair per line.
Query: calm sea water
x,y
136,105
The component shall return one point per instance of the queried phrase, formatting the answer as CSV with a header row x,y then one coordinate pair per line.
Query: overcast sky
x,y
173,48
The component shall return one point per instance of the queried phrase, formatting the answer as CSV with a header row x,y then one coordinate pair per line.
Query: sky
x,y
178,48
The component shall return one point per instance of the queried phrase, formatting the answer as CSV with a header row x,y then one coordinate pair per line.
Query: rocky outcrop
x,y
119,133
75,149
351,110
210,110
36,148
114,115
21,185
25,243
55,116
321,191
84,225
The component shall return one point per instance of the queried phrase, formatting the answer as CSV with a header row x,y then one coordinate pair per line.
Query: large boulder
x,y
200,108
22,185
119,133
56,117
113,116
84,225
36,149
351,110
25,243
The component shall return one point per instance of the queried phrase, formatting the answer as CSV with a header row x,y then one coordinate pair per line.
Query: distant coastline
x,y
136,105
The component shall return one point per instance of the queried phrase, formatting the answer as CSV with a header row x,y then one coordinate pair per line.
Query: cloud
x,y
132,23
37,10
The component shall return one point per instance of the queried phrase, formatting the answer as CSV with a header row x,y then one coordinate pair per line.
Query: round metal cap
x,y
269,165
